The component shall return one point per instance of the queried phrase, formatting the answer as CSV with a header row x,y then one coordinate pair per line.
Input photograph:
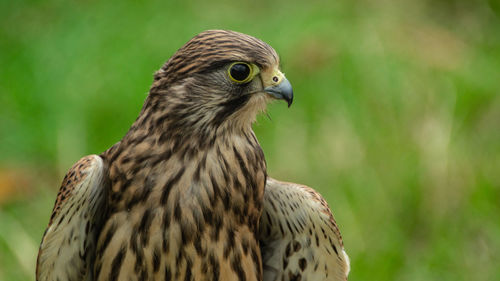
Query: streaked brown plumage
x,y
181,195
298,235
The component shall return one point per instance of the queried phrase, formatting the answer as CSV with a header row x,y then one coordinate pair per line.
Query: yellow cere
x,y
277,77
272,77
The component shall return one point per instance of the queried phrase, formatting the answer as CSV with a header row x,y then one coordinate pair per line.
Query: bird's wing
x,y
298,235
69,241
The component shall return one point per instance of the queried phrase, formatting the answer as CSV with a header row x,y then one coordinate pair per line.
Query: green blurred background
x,y
396,119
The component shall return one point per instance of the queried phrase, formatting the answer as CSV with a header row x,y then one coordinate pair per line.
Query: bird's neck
x,y
199,186
200,205
225,165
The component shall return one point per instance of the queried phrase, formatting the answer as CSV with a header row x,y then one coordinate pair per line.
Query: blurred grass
x,y
396,118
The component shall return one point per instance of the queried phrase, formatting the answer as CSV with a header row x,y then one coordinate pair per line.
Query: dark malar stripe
x,y
229,108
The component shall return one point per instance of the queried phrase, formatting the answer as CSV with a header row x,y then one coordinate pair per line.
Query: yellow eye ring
x,y
240,72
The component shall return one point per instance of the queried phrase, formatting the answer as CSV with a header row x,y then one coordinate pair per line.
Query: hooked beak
x,y
282,91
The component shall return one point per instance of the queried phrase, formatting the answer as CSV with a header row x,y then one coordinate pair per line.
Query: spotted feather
x,y
299,237
68,245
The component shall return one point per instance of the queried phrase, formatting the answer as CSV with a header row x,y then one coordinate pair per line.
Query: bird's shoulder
x,y
299,235
70,237
77,180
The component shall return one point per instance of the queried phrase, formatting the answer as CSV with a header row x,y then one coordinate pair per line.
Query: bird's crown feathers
x,y
213,48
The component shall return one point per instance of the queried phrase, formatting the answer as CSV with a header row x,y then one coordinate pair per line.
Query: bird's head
x,y
219,77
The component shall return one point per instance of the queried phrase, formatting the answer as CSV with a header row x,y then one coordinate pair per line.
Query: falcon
x,y
185,194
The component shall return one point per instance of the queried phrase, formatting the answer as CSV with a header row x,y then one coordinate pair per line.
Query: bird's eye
x,y
240,72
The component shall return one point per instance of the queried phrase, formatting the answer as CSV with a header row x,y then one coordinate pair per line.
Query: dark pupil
x,y
240,71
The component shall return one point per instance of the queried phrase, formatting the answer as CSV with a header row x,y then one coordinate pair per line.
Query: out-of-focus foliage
x,y
396,118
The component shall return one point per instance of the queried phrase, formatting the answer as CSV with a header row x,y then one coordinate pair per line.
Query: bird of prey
x,y
182,195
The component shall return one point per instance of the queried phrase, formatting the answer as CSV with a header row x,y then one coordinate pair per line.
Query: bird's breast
x,y
186,218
